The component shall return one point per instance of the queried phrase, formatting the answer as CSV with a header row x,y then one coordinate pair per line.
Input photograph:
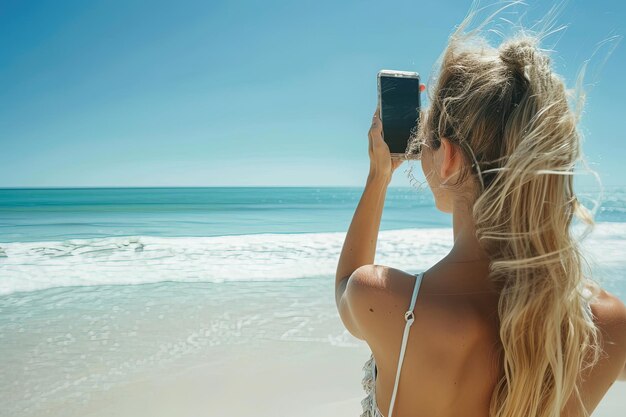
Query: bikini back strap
x,y
409,318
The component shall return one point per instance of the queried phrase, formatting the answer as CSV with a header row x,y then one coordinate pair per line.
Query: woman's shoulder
x,y
609,315
383,294
608,309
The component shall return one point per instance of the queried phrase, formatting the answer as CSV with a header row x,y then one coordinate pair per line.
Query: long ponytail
x,y
509,113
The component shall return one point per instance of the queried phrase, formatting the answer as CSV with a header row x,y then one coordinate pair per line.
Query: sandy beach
x,y
176,349
319,382
294,380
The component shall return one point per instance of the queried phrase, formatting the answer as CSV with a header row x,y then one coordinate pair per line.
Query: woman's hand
x,y
382,165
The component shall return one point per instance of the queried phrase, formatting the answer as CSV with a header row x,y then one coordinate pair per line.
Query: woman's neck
x,y
466,246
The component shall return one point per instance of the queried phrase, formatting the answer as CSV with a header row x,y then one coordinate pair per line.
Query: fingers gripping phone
x,y
399,103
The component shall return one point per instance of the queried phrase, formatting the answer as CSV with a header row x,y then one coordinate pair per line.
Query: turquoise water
x,y
57,214
71,237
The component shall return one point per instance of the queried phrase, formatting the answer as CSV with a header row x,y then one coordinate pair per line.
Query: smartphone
x,y
399,103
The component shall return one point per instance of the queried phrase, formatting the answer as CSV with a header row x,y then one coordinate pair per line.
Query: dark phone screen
x,y
400,106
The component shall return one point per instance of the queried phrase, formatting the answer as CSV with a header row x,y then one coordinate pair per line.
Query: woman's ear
x,y
450,159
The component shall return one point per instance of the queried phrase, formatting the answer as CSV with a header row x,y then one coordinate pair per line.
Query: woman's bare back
x,y
453,355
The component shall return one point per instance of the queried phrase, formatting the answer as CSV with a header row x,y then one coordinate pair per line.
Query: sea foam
x,y
31,266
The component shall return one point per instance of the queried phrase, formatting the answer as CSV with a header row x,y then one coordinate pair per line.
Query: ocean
x,y
102,287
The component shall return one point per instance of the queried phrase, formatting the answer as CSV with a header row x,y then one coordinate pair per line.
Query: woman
x,y
505,324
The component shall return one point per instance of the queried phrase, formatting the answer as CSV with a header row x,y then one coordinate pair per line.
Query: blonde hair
x,y
510,115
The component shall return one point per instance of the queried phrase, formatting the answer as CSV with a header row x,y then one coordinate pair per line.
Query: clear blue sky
x,y
194,93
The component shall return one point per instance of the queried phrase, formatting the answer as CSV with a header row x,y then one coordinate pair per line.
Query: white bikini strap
x,y
409,317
